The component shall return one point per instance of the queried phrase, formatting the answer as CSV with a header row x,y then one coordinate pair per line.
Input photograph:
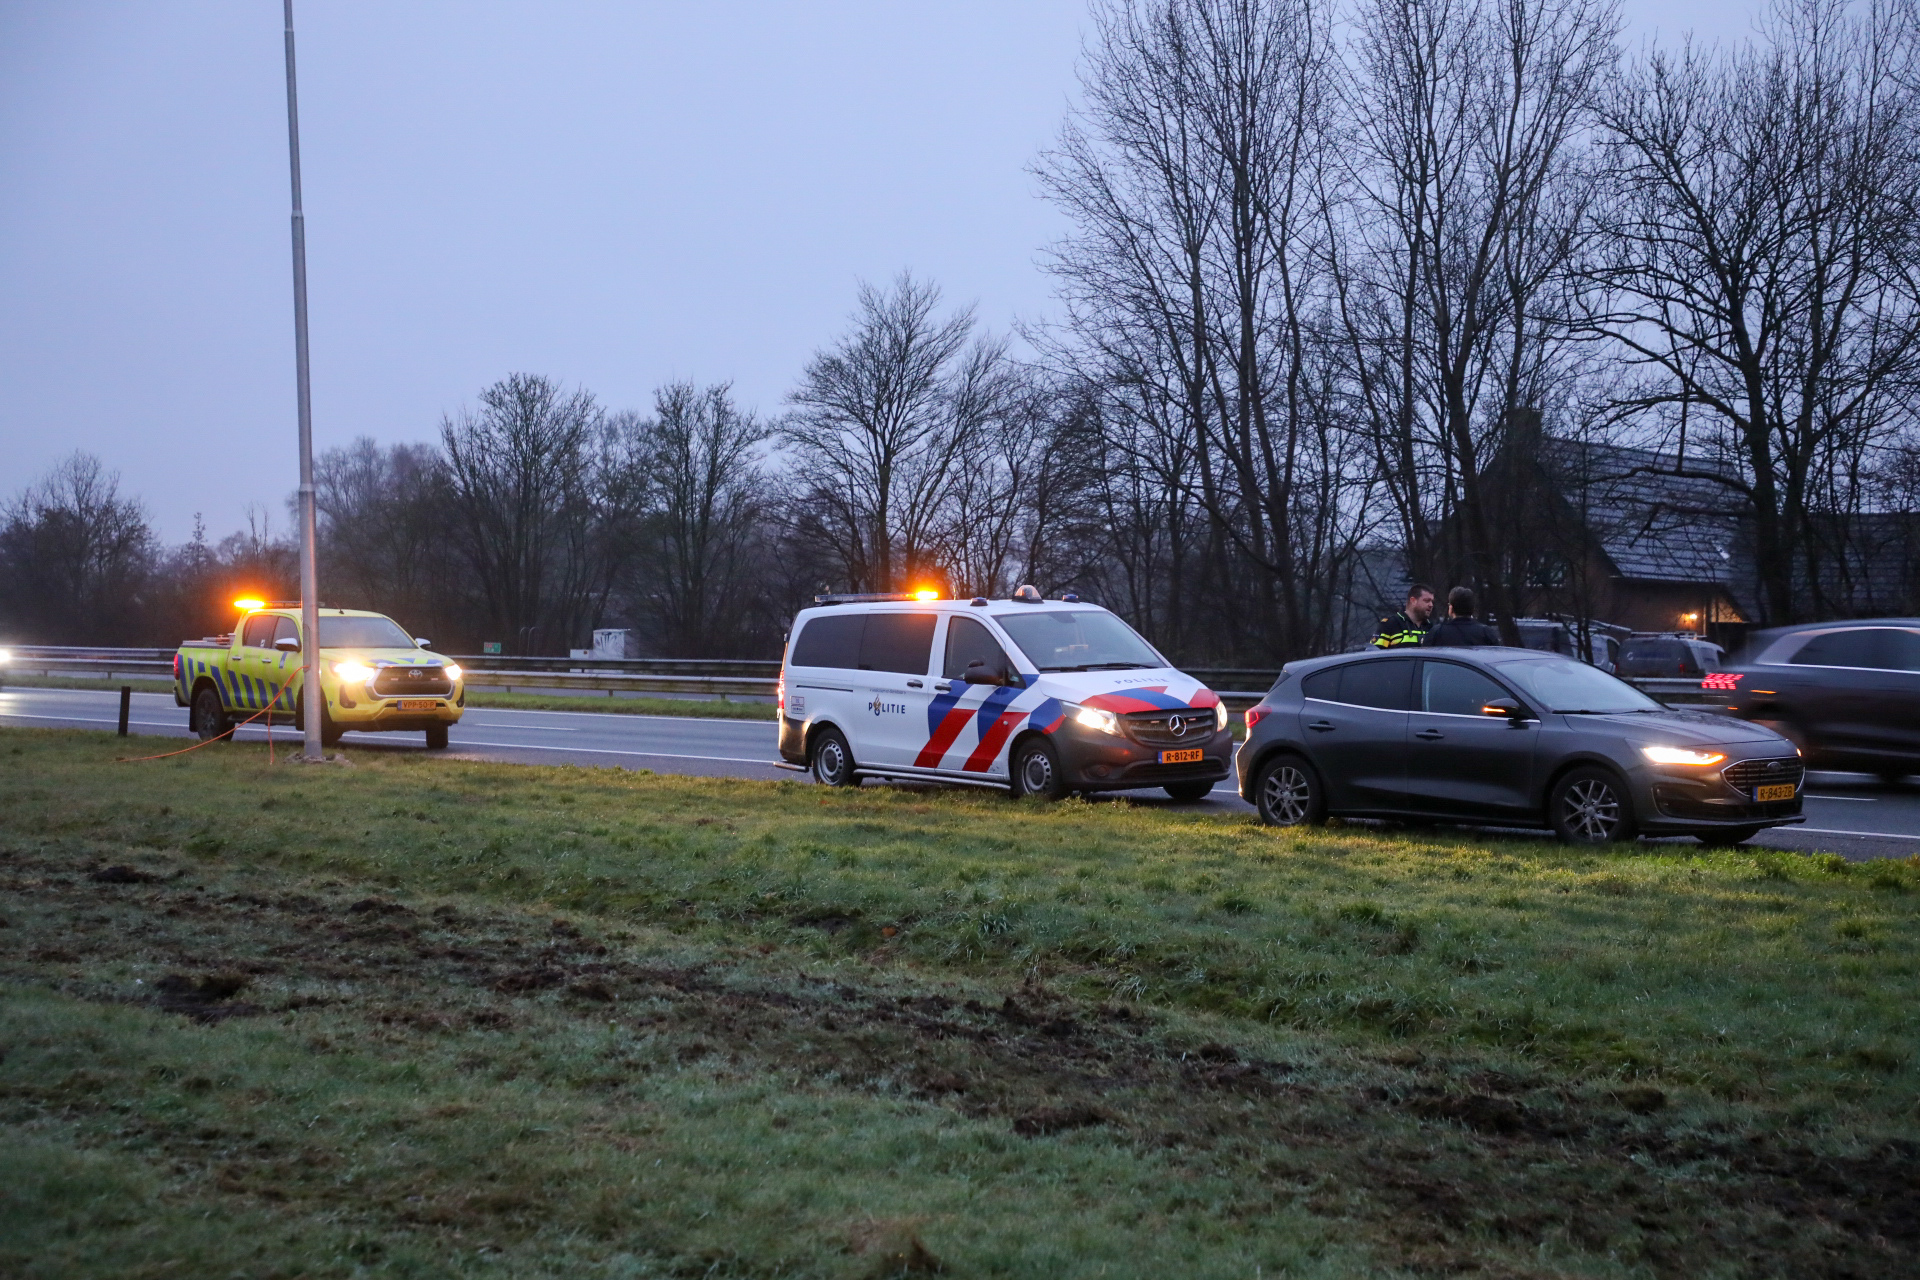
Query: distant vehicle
x,y
374,677
1650,655
1042,697
1508,737
6,660
1848,693
1562,636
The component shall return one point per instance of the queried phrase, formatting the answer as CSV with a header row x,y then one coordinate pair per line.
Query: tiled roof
x,y
1652,524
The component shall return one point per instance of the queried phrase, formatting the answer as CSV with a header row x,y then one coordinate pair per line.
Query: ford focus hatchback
x,y
1041,697
1508,737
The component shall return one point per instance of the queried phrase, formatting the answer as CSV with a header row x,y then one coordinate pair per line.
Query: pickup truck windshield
x,y
1078,640
363,633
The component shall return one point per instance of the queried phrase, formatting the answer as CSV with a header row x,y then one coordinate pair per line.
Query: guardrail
x,y
696,677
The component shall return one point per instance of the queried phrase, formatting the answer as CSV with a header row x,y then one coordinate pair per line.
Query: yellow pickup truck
x,y
373,676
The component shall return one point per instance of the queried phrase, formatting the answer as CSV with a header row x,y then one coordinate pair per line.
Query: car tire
x,y
436,737
1591,806
1288,793
208,718
832,762
1727,837
1188,792
1035,770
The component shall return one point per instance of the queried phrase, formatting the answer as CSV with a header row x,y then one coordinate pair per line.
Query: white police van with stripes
x,y
1042,697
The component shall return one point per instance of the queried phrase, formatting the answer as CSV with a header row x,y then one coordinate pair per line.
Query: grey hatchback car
x,y
1508,737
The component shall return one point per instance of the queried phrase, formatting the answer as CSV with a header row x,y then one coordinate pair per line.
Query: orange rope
x,y
216,737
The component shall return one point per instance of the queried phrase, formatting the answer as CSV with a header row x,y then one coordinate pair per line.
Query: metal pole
x,y
309,575
126,706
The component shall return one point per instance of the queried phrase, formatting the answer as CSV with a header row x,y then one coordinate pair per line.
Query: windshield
x,y
363,633
1078,640
1576,687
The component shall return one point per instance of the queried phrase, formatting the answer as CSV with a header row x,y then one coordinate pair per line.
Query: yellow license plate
x,y
1780,791
1190,755
428,704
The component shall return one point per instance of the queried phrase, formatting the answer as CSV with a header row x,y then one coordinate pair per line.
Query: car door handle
x,y
945,686
915,684
1321,725
1430,735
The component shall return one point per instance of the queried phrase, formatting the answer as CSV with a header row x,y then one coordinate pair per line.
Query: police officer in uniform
x,y
1409,626
1461,630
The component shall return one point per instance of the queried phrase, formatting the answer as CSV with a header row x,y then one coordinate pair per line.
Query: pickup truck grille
x,y
1155,728
1748,774
411,682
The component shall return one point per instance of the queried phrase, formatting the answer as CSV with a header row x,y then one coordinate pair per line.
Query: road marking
x,y
1829,831
608,751
1856,799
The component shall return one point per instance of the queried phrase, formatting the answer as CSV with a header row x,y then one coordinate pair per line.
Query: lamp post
x,y
310,696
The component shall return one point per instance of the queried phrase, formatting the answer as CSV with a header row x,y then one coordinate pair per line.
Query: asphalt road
x,y
1853,815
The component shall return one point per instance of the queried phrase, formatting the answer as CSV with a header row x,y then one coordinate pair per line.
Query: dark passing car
x,y
1508,737
1847,693
1645,656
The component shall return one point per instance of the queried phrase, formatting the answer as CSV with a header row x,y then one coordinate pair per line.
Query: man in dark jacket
x,y
1409,626
1460,630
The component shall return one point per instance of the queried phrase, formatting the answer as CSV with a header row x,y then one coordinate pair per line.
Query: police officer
x,y
1460,629
1409,626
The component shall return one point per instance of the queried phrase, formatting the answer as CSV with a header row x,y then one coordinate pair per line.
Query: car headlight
x,y
1219,716
353,672
1094,718
452,669
6,656
1681,755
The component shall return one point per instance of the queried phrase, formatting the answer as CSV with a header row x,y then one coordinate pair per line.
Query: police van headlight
x,y
1219,716
1094,718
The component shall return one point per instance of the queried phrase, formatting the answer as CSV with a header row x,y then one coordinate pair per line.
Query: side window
x,y
285,629
1853,648
1901,650
1324,685
1386,684
1451,689
967,642
829,641
900,642
258,631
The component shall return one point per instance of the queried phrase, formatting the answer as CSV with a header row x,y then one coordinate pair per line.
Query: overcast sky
x,y
612,194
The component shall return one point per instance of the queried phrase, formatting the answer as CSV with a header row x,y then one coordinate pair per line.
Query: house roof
x,y
1651,524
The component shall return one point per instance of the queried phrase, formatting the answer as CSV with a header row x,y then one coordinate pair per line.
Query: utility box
x,y
614,642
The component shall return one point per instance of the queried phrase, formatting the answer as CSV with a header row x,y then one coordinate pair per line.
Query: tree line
x,y
1329,267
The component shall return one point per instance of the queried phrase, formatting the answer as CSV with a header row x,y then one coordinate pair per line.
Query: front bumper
x,y
1095,761
353,707
1691,802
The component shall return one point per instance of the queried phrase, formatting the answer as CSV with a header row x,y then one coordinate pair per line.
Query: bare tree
x,y
1467,187
701,490
383,535
1758,270
521,477
75,557
882,433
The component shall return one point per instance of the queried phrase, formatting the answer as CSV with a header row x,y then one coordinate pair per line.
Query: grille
x,y
411,682
1748,774
1155,729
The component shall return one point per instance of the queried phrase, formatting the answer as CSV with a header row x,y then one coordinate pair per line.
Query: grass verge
x,y
421,1016
136,683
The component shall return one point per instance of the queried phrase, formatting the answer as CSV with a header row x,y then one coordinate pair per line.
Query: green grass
x,y
711,709
427,1017
137,684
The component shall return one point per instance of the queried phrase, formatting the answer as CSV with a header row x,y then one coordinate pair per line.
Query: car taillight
x,y
1722,681
780,695
1256,714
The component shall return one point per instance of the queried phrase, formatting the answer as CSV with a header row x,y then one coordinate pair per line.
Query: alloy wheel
x,y
1591,810
1288,795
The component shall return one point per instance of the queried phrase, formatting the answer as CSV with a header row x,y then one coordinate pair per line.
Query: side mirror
x,y
287,644
423,642
979,672
1504,707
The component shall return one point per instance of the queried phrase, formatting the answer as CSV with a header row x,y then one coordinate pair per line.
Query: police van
x,y
1042,697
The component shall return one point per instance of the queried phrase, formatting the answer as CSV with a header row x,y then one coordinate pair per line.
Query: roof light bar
x,y
870,597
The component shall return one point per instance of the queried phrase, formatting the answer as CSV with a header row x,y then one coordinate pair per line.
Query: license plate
x,y
428,704
1779,791
1187,755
